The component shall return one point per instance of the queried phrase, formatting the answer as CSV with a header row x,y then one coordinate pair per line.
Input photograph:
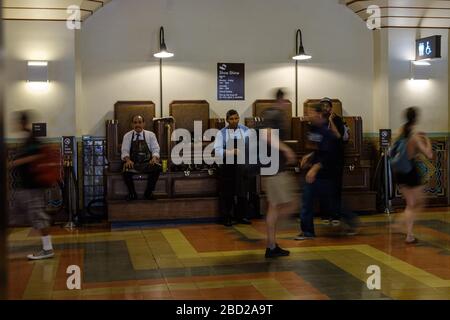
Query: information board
x,y
230,81
39,129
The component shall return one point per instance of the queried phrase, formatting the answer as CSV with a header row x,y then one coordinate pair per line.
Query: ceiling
x,y
48,10
406,13
394,13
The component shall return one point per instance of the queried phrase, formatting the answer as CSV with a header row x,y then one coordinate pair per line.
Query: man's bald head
x,y
137,116
138,123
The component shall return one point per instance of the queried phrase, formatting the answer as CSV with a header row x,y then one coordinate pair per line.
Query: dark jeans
x,y
342,212
152,178
233,193
337,192
322,189
325,191
339,178
232,206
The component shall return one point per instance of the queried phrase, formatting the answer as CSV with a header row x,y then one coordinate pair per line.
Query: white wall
x,y
50,41
430,95
117,44
381,80
110,59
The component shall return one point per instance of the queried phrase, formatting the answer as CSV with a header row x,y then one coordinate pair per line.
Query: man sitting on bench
x,y
140,153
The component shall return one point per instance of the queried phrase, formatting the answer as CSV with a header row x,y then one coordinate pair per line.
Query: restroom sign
x,y
428,48
230,81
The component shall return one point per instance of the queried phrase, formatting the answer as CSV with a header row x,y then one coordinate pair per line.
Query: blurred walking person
x,y
320,178
30,192
404,154
281,186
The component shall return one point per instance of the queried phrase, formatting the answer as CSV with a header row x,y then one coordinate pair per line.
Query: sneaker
x,y
351,232
43,254
244,221
277,252
304,236
335,222
326,222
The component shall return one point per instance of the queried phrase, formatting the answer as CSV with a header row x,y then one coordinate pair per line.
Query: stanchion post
x,y
70,224
387,205
69,152
385,142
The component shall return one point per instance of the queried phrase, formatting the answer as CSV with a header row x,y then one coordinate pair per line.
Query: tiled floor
x,y
210,261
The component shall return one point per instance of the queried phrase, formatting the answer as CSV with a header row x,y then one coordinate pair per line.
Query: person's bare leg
x,y
271,223
420,199
416,207
410,212
399,223
409,219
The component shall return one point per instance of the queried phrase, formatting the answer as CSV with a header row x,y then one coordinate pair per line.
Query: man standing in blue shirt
x,y
229,144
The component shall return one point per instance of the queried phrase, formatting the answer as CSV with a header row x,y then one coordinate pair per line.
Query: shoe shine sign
x,y
428,48
230,81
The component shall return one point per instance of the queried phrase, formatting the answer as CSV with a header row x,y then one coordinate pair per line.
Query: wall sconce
x,y
37,71
420,70
300,54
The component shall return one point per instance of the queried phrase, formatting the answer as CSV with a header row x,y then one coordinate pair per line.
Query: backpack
x,y
47,170
399,160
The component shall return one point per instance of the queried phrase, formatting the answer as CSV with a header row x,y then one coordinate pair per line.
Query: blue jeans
x,y
323,189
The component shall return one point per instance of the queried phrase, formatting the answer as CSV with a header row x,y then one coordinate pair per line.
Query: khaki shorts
x,y
280,188
32,201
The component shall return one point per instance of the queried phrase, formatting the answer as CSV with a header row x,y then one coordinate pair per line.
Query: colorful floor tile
x,y
210,261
